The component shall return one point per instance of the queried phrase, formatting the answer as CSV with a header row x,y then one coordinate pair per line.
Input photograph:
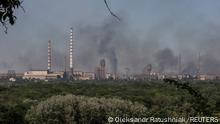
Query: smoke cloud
x,y
154,32
166,59
190,68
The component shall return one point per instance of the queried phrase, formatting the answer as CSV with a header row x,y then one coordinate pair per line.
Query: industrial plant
x,y
68,73
100,72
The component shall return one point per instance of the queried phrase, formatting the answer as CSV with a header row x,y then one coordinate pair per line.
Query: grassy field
x,y
162,99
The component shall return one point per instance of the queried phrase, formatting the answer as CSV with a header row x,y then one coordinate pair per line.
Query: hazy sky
x,y
186,27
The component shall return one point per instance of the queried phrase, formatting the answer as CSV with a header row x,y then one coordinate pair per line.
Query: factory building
x,y
208,77
109,76
42,75
38,74
70,74
80,75
10,74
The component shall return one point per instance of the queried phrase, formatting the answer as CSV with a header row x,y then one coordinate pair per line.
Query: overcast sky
x,y
186,27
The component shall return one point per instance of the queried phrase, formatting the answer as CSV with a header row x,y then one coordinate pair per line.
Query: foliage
x,y
79,109
161,99
199,102
7,8
12,115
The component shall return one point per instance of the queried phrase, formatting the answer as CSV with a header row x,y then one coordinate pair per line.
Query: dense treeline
x,y
161,99
82,110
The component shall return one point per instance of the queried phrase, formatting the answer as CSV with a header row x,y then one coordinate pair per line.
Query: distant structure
x,y
179,64
65,74
127,73
100,72
11,74
80,75
71,53
44,74
36,74
147,69
199,66
102,65
49,60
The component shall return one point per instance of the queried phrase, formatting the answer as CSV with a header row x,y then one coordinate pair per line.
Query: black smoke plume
x,y
166,59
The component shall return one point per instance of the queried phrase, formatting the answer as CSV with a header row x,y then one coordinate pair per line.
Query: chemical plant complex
x,y
99,73
66,74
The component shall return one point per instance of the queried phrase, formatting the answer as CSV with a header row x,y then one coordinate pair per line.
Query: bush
x,y
12,114
79,109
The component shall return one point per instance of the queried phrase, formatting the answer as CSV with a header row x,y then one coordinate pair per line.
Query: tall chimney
x,y
49,57
71,51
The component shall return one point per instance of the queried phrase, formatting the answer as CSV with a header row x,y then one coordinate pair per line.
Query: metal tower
x,y
49,57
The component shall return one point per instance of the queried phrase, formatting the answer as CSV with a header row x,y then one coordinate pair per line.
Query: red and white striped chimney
x,y
49,56
71,51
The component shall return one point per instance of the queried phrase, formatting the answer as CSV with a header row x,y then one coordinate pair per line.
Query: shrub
x,y
12,114
80,109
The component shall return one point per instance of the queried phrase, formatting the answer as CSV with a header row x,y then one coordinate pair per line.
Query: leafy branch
x,y
200,103
7,8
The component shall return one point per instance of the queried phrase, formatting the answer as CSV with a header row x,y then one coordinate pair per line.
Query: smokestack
x,y
49,57
71,51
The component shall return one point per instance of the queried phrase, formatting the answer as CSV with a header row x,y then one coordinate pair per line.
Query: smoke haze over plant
x,y
151,32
